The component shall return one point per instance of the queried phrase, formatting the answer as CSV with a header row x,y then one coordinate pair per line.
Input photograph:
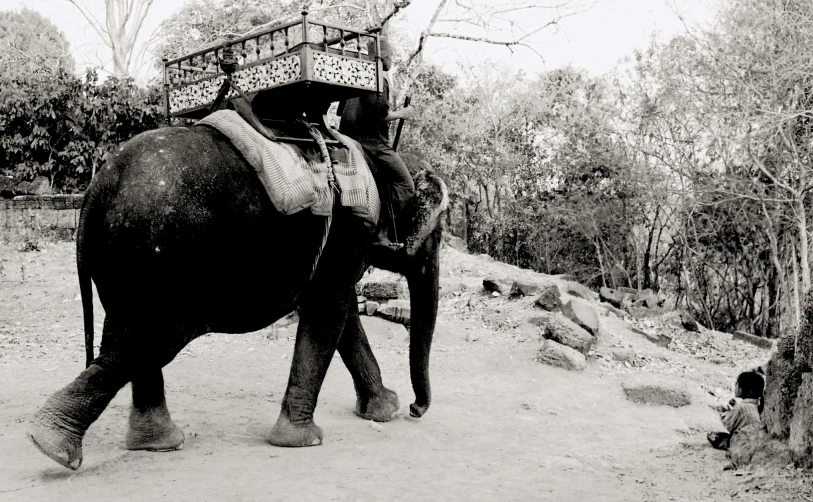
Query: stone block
x,y
492,285
556,354
397,311
380,290
688,322
644,312
520,289
742,336
581,291
371,307
657,393
583,314
550,299
611,296
659,339
566,332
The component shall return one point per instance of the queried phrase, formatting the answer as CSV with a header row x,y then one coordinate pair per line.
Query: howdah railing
x,y
302,55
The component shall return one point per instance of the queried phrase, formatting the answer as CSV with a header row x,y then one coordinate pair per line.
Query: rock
x,y
618,312
782,381
742,336
627,291
493,285
556,354
688,322
753,445
611,296
800,440
371,307
658,393
649,299
580,291
495,294
362,308
519,289
624,355
359,287
644,312
660,340
395,311
550,299
380,290
581,313
565,332
361,298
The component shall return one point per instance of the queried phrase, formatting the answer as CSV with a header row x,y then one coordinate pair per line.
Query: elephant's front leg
x,y
373,400
151,427
323,316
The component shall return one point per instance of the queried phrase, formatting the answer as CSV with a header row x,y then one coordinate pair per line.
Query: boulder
x,y
647,298
380,290
582,313
395,311
800,440
580,291
550,299
644,312
492,285
658,393
782,381
520,289
371,307
565,332
660,340
742,336
688,321
624,355
753,445
611,296
556,354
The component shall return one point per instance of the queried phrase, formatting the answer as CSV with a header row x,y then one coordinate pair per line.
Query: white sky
x,y
594,40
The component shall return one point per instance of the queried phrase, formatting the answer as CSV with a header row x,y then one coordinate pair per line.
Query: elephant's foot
x,y
380,407
286,433
153,430
60,446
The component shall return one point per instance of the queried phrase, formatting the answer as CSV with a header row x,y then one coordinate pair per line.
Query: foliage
x,y
59,126
29,41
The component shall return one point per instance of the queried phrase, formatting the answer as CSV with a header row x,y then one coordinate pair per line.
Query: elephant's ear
x,y
431,199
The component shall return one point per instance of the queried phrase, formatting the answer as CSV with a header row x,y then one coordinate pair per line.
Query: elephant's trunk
x,y
423,291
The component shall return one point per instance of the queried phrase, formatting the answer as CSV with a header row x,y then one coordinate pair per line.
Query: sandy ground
x,y
501,426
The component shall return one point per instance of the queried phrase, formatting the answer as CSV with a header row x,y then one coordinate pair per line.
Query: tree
x,y
28,41
120,30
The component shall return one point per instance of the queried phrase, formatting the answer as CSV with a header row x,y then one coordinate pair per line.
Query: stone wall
x,y
30,218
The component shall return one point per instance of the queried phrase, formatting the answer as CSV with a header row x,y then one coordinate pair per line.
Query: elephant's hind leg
x,y
373,400
151,427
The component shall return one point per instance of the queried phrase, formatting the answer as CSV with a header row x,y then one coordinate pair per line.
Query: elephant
x,y
180,239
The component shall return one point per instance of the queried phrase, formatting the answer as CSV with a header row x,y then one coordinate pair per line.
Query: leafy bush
x,y
56,125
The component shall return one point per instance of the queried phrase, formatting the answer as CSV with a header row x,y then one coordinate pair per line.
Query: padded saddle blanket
x,y
294,182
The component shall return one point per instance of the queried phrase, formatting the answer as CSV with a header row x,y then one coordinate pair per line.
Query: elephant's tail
x,y
83,269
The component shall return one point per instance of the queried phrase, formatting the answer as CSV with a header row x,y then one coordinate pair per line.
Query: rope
x,y
331,179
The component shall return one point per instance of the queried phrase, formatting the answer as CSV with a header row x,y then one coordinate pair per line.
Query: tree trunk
x,y
804,264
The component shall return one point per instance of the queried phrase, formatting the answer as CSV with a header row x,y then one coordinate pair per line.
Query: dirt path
x,y
501,427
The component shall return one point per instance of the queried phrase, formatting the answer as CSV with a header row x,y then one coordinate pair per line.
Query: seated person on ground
x,y
749,387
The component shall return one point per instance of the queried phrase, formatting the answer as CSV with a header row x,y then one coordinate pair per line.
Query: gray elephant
x,y
180,238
